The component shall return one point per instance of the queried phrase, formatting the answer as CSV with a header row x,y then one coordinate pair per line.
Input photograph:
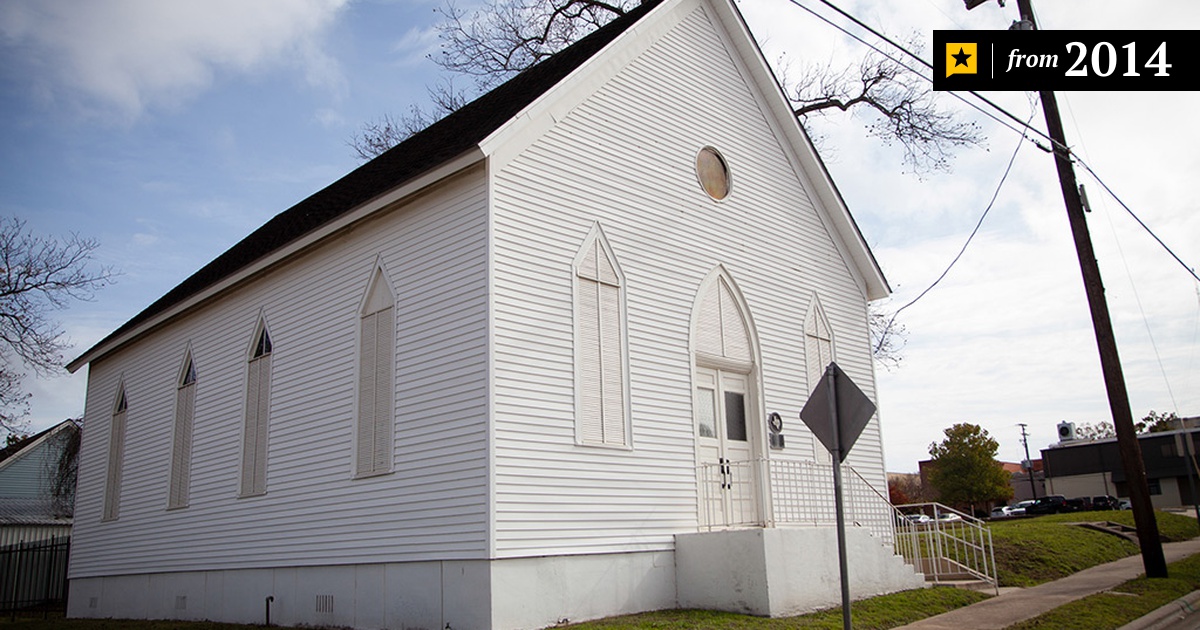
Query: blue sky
x,y
168,131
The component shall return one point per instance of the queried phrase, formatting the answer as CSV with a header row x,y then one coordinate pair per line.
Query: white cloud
x,y
123,56
416,45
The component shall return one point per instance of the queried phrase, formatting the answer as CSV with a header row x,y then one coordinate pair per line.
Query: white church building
x,y
516,370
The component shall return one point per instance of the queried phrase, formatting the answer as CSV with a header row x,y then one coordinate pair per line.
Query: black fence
x,y
33,577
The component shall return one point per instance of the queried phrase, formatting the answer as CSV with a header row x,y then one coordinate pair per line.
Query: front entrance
x,y
725,405
726,455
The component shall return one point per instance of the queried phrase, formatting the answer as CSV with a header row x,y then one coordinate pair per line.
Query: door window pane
x,y
735,416
706,412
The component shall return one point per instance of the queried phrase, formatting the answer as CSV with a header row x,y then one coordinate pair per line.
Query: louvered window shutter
x,y
181,455
366,394
591,369
385,353
600,330
116,452
258,397
375,392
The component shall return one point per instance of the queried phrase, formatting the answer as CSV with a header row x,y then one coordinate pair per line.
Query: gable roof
x,y
453,138
26,445
420,153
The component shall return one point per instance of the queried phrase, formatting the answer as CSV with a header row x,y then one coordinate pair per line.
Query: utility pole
x,y
1110,362
1025,441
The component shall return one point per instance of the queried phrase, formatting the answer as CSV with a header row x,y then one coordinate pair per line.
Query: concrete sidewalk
x,y
1016,605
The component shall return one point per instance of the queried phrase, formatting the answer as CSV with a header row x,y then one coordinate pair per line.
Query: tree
x,y
887,337
503,37
905,488
965,470
1155,422
1098,431
38,275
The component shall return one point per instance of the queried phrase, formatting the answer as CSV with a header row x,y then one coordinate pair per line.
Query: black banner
x,y
1065,60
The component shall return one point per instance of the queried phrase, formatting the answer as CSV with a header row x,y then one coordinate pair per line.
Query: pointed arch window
x,y
818,354
116,455
376,379
181,451
601,384
818,343
258,398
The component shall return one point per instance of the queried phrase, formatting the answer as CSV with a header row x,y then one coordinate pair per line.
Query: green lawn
x,y
1036,550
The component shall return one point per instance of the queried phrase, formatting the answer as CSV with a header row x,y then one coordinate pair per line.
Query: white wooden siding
x,y
434,506
625,157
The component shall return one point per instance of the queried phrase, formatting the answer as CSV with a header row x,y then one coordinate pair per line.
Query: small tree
x,y
1156,422
1097,431
38,275
965,470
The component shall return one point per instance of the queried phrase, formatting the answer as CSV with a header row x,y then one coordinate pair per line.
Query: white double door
x,y
729,476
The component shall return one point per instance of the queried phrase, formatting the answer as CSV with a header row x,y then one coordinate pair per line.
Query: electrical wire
x,y
1026,125
1012,159
1129,274
1095,176
922,75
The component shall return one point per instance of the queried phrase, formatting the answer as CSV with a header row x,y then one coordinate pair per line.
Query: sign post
x,y
837,411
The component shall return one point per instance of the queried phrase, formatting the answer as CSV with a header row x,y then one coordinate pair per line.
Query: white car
x,y
918,518
1003,511
948,517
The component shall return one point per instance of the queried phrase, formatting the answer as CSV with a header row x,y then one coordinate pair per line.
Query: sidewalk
x,y
1021,604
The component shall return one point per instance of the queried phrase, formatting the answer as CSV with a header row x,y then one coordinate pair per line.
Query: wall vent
x,y
324,603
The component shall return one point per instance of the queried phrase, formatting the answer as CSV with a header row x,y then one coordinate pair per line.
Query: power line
x,y
1024,124
1135,217
1012,159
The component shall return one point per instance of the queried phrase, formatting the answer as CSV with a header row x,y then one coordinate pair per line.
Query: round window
x,y
713,173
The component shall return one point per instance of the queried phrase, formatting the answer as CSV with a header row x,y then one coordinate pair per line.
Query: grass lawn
x,y
1036,550
1123,604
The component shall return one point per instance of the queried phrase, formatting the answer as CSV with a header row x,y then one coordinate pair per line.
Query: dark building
x,y
1076,468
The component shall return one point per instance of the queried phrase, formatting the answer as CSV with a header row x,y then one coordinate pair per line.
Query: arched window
x,y
818,343
376,378
258,399
116,453
601,389
181,451
818,354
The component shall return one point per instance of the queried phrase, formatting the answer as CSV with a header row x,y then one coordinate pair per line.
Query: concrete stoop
x,y
1109,527
780,572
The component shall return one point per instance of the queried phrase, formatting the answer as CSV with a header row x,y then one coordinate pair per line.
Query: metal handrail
x,y
767,493
950,544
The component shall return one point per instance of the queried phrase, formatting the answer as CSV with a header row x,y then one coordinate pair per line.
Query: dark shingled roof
x,y
442,141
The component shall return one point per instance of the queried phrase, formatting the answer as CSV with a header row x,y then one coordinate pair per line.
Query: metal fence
x,y
33,577
944,544
761,492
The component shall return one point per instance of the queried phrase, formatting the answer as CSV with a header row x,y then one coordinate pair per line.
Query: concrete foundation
x,y
784,571
514,594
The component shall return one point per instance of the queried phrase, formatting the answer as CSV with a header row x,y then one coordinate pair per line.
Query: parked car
x,y
1018,508
918,518
1078,504
948,517
1124,504
1003,511
1105,503
1049,504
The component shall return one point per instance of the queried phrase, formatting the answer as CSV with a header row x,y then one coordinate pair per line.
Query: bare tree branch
x,y
38,276
373,138
901,108
507,36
